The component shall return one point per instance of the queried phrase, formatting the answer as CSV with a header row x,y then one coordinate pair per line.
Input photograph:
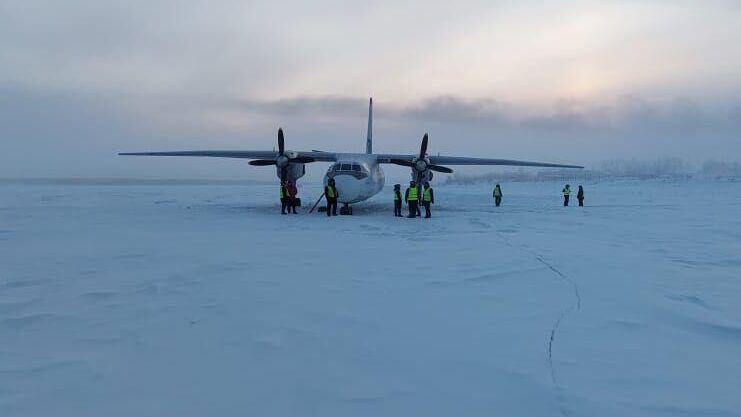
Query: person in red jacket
x,y
283,198
292,192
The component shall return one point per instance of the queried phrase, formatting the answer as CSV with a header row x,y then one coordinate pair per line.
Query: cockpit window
x,y
356,170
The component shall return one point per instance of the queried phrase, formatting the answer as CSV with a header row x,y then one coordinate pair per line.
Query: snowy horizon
x,y
661,168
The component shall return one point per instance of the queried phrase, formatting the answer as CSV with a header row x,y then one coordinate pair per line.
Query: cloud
x,y
673,114
311,106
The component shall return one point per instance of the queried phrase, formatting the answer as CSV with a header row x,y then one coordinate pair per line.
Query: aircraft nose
x,y
348,187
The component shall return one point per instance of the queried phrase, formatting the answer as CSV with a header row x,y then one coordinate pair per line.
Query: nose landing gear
x,y
346,210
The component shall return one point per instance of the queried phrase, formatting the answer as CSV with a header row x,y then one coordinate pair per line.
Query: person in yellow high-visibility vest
x,y
566,193
411,196
331,194
497,195
428,198
397,200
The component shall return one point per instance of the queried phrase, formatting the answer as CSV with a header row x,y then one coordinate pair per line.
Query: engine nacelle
x,y
421,177
294,171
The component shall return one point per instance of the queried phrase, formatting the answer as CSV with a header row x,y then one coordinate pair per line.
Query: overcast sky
x,y
558,81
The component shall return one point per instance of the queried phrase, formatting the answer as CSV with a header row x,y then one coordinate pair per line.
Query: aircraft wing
x,y
316,156
458,160
463,160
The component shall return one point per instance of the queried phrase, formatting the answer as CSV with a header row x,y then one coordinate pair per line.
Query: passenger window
x,y
356,168
346,167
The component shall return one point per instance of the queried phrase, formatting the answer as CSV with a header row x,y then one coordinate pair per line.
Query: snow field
x,y
204,300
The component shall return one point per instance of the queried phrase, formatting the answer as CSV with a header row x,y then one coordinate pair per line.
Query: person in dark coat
x,y
497,195
428,198
411,196
331,194
397,200
580,196
419,200
566,193
292,195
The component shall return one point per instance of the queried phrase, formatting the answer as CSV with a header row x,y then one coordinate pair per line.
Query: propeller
x,y
423,147
421,165
282,160
440,168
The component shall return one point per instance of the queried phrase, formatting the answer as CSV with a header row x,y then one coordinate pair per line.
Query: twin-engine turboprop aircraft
x,y
358,177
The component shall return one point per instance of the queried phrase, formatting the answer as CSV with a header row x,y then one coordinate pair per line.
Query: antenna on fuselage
x,y
369,141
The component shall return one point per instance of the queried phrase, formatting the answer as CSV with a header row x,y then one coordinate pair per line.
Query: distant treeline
x,y
613,169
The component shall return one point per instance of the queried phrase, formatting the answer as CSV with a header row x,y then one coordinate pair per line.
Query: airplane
x,y
358,176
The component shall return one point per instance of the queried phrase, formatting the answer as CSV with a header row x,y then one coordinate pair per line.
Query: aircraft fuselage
x,y
358,177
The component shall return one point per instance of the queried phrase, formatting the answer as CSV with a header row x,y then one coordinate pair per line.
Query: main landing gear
x,y
346,210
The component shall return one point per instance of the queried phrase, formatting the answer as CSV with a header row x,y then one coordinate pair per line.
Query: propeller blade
x,y
262,162
281,142
302,159
440,168
423,148
402,162
283,174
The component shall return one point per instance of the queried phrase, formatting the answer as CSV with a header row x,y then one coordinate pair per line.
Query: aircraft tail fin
x,y
369,140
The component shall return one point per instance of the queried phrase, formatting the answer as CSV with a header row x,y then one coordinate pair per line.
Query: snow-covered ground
x,y
204,301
